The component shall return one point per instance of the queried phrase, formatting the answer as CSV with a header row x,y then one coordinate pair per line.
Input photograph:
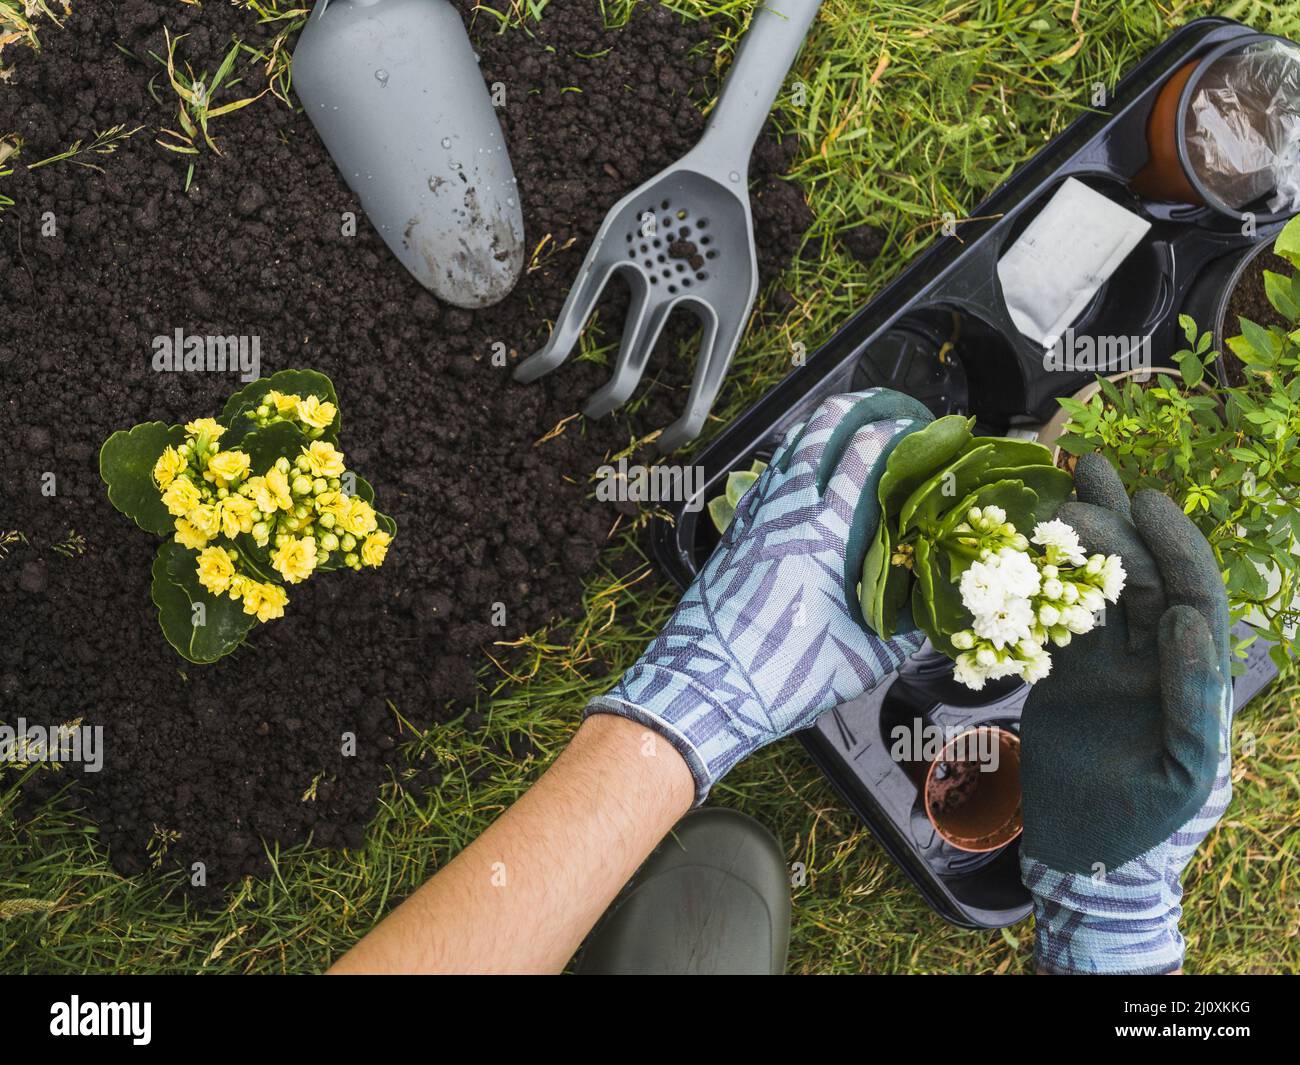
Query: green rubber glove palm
x,y
1125,747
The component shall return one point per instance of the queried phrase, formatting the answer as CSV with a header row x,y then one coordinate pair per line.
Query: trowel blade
x,y
394,90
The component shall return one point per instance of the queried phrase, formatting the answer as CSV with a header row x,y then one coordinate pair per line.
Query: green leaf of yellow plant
x,y
176,591
263,446
126,463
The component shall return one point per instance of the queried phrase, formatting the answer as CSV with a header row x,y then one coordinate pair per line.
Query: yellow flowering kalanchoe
x,y
264,599
249,509
181,496
283,404
323,459
205,428
302,509
316,412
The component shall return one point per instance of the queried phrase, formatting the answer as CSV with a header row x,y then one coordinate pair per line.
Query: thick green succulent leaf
x,y
723,508
738,483
918,455
936,601
291,382
875,577
936,495
176,592
895,590
933,498
257,560
1051,484
126,463
721,512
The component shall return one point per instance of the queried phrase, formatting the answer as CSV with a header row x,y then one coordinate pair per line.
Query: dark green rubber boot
x,y
712,900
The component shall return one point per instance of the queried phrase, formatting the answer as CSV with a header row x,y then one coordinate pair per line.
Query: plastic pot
x,y
1178,170
988,816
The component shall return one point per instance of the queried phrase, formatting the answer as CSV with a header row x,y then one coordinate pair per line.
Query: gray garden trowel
x,y
685,238
394,90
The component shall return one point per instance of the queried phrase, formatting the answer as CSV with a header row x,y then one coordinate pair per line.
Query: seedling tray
x,y
951,294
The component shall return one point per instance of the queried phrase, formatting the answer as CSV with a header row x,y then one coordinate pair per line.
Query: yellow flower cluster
x,y
299,506
196,479
217,573
315,413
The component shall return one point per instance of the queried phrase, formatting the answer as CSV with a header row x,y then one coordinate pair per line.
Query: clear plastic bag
x,y
1242,127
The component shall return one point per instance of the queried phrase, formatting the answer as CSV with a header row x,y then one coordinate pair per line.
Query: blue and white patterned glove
x,y
1126,760
771,634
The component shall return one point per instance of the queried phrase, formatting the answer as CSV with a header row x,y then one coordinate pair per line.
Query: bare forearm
x,y
523,895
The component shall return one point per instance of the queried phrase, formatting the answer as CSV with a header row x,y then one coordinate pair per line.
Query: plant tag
x,y
1064,255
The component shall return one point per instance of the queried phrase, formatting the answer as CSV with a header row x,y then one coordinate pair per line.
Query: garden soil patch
x,y
216,759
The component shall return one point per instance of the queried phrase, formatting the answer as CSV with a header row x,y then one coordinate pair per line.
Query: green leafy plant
x,y
1227,454
252,501
951,547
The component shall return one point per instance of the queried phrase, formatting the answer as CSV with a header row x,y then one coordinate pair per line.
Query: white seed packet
x,y
1064,255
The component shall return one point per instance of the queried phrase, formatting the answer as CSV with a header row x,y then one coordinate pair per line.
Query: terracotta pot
x,y
1169,176
990,816
1164,178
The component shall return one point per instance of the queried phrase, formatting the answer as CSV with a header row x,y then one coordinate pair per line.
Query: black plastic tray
x,y
998,375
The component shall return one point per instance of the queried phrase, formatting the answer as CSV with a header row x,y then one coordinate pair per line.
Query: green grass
x,y
969,91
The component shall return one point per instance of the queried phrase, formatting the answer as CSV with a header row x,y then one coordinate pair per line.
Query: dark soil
x,y
1250,301
864,242
223,754
952,785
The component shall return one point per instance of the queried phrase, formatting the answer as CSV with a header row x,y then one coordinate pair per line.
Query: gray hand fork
x,y
701,200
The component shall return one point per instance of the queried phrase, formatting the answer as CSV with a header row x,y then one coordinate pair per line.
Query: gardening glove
x,y
771,633
1126,760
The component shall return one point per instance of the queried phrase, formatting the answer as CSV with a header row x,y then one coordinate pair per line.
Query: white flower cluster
x,y
1022,598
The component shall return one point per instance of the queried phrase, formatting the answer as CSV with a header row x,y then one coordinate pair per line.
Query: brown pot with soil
x,y
972,790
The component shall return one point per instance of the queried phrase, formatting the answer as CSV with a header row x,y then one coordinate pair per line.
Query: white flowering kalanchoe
x,y
967,541
1024,594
